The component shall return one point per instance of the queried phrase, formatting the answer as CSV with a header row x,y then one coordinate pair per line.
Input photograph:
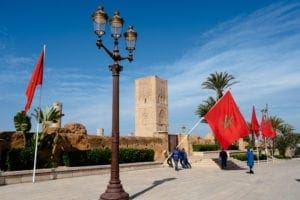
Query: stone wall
x,y
74,136
155,143
11,139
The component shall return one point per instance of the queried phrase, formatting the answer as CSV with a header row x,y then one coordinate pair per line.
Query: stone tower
x,y
151,106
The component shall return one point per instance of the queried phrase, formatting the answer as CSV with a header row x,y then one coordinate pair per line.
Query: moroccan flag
x,y
254,123
36,79
266,128
226,121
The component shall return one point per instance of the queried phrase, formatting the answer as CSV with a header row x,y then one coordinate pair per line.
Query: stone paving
x,y
271,181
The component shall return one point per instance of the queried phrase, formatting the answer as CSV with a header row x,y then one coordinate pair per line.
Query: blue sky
x,y
256,41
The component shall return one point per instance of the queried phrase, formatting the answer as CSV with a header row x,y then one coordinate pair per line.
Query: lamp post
x,y
114,189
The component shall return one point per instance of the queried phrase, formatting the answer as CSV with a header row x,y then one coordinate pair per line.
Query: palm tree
x,y
219,82
205,106
277,123
285,135
46,116
22,121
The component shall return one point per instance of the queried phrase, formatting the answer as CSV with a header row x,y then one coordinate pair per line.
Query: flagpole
x,y
257,150
38,126
184,138
189,132
267,116
257,156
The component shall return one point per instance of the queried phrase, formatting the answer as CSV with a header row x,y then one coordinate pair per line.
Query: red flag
x,y
36,79
266,128
254,123
226,121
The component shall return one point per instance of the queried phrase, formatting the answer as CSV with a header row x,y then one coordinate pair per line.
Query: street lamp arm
x,y
129,58
100,44
115,54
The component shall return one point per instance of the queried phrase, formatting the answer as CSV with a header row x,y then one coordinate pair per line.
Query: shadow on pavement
x,y
154,184
230,165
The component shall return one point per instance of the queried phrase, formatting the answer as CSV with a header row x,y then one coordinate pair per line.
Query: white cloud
x,y
262,50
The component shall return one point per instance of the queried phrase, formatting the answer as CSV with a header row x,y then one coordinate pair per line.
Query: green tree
x,y
205,106
285,139
22,121
285,136
46,116
277,124
219,82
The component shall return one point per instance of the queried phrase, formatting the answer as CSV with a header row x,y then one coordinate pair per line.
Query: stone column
x,y
241,144
100,132
57,106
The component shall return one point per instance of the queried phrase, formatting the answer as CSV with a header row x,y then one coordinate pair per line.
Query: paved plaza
x,y
271,181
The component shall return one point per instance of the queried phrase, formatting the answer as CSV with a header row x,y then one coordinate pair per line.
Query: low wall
x,y
67,141
13,177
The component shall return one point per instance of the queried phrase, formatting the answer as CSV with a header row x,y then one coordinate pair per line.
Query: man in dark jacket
x,y
175,156
223,156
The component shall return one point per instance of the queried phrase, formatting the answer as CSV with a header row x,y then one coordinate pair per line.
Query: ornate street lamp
x,y
114,189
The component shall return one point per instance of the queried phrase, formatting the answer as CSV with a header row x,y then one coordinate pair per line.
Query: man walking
x,y
223,156
175,156
250,160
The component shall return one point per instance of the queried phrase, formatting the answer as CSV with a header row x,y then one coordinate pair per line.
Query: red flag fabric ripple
x,y
226,121
36,79
254,123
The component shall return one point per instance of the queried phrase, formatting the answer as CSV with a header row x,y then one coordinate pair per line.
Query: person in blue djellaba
x,y
250,160
175,156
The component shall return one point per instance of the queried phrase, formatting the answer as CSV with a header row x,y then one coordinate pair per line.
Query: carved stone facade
x,y
151,106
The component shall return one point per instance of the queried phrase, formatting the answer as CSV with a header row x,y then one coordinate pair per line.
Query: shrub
x,y
20,159
297,151
242,156
233,147
282,157
23,158
205,147
103,156
238,156
128,155
3,158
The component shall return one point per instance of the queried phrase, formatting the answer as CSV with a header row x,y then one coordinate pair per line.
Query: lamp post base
x,y
114,192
